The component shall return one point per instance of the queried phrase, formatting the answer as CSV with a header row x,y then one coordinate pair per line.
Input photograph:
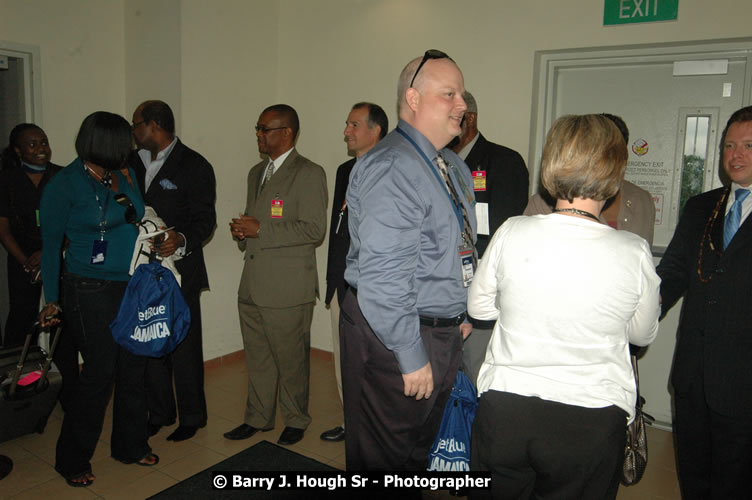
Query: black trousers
x,y
89,306
385,429
23,304
714,451
546,450
187,365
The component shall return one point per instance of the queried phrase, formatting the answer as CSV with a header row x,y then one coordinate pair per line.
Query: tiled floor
x,y
33,476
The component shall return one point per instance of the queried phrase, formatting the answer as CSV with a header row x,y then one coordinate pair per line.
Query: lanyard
x,y
457,209
102,210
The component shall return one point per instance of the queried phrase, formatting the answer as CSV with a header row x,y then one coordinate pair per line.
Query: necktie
x,y
267,175
731,225
467,232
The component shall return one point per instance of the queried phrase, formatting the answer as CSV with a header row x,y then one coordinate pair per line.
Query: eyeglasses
x,y
430,54
266,130
136,124
130,211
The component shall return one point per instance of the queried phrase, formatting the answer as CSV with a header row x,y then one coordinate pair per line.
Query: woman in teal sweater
x,y
79,205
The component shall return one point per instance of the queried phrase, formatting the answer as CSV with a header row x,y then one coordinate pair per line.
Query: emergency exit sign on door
x,y
639,11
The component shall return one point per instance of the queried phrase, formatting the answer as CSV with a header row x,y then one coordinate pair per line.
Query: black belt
x,y
429,321
442,322
482,324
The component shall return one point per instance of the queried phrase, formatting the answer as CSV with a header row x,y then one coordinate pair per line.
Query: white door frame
x,y
548,62
32,77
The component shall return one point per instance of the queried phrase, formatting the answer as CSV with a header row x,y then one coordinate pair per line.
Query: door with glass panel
x,y
675,101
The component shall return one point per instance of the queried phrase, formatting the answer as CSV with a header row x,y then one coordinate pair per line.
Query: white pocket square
x,y
167,184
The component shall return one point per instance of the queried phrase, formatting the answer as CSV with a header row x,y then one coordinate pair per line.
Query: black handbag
x,y
636,449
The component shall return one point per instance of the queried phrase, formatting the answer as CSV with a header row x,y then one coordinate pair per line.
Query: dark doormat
x,y
261,457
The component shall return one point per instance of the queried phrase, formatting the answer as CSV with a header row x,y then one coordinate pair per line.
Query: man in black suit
x,y
365,126
709,263
500,182
180,185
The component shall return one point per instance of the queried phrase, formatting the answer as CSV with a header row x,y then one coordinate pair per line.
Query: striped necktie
x,y
734,217
467,232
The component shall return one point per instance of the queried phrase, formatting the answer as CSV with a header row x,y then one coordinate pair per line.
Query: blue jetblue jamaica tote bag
x,y
451,450
153,317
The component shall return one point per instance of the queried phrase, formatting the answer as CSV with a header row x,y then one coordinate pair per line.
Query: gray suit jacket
x,y
280,265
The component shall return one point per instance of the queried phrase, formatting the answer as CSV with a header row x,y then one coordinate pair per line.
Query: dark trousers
x,y
541,449
385,429
187,365
714,451
474,352
89,306
23,304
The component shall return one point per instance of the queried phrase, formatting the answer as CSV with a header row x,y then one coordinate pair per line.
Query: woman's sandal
x,y
81,480
149,460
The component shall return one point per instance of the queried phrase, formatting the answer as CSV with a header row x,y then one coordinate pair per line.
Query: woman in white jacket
x,y
569,294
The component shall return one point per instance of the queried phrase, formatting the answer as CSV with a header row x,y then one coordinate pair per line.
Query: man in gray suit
x,y
284,221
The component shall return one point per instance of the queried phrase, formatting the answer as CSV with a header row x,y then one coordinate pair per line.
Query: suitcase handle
x,y
48,360
25,351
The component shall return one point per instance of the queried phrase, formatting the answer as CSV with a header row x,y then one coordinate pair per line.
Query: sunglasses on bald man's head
x,y
430,54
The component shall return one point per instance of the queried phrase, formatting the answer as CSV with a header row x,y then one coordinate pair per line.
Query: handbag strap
x,y
636,372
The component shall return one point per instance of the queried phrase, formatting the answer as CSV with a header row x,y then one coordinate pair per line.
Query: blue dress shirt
x,y
405,237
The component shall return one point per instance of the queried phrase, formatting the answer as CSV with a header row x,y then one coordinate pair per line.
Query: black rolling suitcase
x,y
28,390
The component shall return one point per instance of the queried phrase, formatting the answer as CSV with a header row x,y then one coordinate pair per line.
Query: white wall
x,y
82,46
153,55
220,63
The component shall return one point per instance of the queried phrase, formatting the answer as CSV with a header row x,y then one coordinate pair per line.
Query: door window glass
x,y
695,155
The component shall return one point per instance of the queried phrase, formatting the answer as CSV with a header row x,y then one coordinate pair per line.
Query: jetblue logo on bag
x,y
156,329
448,455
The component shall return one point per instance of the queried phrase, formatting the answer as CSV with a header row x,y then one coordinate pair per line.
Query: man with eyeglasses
x,y
180,185
283,223
411,258
500,183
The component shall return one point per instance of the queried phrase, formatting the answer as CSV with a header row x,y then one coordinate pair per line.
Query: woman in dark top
x,y
79,204
26,170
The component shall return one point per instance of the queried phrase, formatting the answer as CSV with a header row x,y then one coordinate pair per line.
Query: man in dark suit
x,y
284,222
500,182
709,263
365,126
180,185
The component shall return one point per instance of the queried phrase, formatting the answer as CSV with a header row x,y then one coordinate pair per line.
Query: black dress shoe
x,y
243,431
290,435
336,434
183,432
6,465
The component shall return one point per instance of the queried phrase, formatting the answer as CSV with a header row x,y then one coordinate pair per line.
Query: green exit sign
x,y
639,11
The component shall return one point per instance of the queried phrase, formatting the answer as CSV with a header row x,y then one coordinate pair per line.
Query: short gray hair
x,y
472,106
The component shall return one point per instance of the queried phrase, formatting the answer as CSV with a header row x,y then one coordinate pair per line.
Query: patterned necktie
x,y
467,232
268,175
734,217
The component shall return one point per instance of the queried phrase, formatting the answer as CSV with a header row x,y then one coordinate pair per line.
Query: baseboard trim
x,y
236,356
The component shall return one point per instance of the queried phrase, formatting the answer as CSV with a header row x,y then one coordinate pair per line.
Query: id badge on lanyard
x,y
99,247
277,206
465,253
479,180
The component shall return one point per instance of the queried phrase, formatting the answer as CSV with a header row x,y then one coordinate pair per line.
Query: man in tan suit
x,y
284,221
632,209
